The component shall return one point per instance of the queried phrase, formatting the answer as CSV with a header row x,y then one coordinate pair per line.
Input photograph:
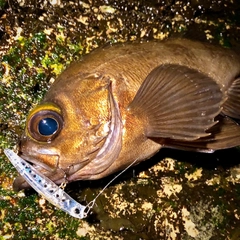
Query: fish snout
x,y
46,157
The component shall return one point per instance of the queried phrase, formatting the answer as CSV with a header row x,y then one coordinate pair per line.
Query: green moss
x,y
13,57
6,168
4,203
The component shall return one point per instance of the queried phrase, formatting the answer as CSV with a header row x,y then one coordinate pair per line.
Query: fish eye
x,y
45,125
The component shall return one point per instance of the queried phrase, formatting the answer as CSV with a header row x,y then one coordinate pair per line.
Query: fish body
x,y
127,101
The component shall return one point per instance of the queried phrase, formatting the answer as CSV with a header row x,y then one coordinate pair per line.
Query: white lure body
x,y
45,187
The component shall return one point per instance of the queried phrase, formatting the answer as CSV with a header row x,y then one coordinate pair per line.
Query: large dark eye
x,y
45,125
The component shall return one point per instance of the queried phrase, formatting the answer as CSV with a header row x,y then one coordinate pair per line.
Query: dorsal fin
x,y
177,102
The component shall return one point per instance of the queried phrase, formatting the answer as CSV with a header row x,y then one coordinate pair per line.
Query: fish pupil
x,y
47,126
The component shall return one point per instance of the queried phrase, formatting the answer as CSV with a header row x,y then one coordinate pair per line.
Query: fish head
x,y
69,129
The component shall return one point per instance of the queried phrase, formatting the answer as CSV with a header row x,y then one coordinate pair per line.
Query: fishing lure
x,y
52,192
47,188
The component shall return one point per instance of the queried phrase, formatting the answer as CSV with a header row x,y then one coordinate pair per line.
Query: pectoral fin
x,y
225,134
232,106
177,102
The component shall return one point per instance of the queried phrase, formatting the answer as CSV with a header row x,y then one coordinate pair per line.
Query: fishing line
x,y
91,203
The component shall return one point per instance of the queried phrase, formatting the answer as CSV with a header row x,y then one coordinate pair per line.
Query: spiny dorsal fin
x,y
232,106
177,102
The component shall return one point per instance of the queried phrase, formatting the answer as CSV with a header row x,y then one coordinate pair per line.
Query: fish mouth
x,y
55,174
46,159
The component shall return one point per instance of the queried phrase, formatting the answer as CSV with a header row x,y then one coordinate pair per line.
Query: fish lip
x,y
37,162
57,175
28,158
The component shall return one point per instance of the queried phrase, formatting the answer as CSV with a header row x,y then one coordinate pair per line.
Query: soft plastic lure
x,y
47,188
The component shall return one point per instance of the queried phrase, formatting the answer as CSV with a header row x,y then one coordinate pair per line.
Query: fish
x,y
127,101
44,186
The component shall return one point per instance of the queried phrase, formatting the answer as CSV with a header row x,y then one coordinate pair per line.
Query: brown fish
x,y
127,101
